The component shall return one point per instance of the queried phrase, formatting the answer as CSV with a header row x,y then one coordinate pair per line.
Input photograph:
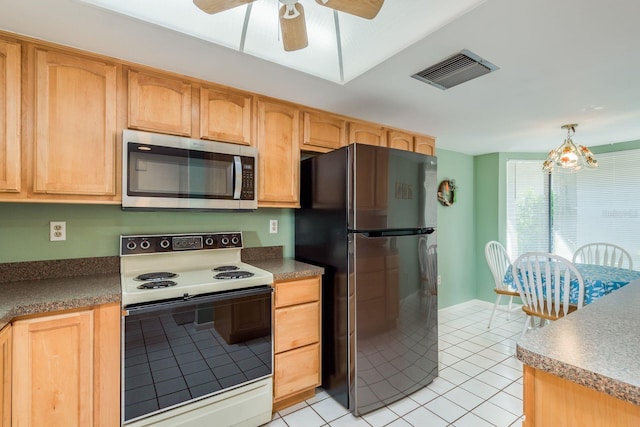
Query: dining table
x,y
599,280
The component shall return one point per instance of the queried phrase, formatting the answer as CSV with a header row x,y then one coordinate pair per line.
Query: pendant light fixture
x,y
569,157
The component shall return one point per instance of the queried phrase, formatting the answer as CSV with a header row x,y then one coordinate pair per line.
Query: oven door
x,y
179,351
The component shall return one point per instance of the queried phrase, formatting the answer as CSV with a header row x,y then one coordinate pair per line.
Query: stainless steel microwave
x,y
172,172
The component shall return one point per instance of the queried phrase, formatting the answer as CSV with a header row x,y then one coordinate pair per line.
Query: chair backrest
x,y
498,262
603,254
548,284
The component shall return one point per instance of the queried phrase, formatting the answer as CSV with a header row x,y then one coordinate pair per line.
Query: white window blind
x,y
527,208
599,205
594,205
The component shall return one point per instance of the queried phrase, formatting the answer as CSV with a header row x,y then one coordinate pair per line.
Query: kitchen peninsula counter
x,y
591,359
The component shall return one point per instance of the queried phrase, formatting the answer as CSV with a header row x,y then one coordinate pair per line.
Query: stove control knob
x,y
145,244
164,243
209,241
225,241
235,240
131,245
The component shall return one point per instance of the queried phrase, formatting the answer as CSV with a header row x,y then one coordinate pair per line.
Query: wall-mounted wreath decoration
x,y
447,192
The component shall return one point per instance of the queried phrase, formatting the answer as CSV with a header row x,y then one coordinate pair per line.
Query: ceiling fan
x,y
292,22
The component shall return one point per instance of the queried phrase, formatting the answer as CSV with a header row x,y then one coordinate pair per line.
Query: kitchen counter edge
x,y
593,346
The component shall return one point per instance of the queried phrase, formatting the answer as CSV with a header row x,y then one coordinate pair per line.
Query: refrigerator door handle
x,y
394,232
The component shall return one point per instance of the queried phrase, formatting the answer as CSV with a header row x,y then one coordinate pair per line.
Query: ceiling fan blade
x,y
363,8
293,27
215,6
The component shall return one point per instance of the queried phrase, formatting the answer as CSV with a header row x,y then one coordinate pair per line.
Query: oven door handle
x,y
198,299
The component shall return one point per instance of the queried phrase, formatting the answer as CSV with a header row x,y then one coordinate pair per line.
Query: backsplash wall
x,y
94,230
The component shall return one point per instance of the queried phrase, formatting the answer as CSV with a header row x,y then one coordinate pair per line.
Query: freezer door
x,y
391,189
393,318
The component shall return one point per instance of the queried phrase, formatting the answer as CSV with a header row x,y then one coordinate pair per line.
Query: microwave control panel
x,y
248,178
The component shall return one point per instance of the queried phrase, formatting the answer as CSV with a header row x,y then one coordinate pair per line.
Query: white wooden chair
x,y
544,284
498,262
603,254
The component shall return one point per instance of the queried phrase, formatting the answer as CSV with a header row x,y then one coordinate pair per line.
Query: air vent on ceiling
x,y
456,69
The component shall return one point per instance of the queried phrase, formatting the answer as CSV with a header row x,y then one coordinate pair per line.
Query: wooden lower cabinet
x,y
297,327
553,401
5,376
66,369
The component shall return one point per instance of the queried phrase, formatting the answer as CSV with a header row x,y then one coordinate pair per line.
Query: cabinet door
x,y
159,104
364,133
323,132
400,140
5,377
296,370
225,116
53,381
9,117
75,125
425,145
279,156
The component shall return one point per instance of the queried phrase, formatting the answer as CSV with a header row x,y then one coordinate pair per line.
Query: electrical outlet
x,y
273,226
439,279
57,231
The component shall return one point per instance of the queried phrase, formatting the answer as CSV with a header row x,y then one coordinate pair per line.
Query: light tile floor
x,y
479,384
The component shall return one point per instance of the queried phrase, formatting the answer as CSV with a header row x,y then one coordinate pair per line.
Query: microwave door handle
x,y
237,167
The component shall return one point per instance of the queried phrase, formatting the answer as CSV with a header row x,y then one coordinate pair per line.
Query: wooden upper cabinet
x,y
225,115
10,172
400,140
425,145
365,133
74,140
278,134
5,376
323,132
159,104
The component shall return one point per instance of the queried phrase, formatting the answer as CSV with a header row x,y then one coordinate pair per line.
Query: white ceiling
x,y
569,61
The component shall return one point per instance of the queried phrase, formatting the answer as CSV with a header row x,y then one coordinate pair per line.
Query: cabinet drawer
x,y
297,292
297,326
296,370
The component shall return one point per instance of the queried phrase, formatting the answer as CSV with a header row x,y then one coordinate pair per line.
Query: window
x,y
560,212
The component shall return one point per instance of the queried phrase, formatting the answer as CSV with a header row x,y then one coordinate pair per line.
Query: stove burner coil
x,y
156,276
226,268
157,284
233,275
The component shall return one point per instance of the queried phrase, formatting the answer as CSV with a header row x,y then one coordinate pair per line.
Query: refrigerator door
x,y
391,189
393,318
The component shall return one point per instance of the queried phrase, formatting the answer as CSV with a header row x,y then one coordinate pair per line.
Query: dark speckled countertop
x,y
594,346
28,288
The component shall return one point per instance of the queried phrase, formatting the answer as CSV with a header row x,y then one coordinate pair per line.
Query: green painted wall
x,y
93,230
456,231
487,219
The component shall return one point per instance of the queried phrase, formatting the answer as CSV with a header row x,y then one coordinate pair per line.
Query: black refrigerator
x,y
368,216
